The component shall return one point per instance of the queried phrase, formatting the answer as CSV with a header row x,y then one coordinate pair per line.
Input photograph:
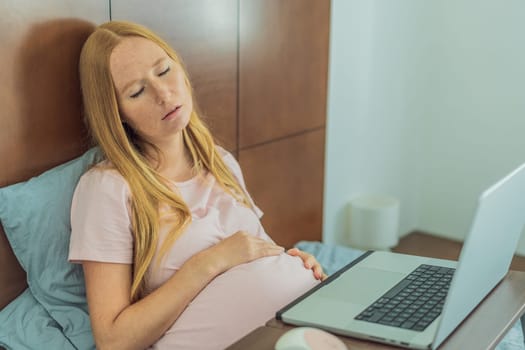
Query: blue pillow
x,y
27,325
36,218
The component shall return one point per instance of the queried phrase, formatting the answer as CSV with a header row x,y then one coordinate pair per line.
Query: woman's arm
x,y
119,324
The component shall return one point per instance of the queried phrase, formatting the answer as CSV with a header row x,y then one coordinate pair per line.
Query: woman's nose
x,y
162,92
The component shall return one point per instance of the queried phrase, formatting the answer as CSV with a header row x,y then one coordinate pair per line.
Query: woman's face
x,y
152,93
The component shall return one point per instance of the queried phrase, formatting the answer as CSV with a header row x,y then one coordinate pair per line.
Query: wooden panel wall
x,y
40,119
283,68
259,68
286,178
282,112
40,93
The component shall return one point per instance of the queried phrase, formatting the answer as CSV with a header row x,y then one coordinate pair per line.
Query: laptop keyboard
x,y
414,302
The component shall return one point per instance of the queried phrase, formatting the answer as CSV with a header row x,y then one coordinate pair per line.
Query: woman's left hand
x,y
310,262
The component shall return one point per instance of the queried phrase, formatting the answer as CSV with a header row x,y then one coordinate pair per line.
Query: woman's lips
x,y
173,114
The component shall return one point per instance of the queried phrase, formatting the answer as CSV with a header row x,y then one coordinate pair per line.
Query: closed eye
x,y
164,72
136,94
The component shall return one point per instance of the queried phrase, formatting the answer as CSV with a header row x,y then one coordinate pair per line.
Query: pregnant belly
x,y
237,301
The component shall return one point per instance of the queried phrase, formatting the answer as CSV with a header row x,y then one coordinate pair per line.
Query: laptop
x,y
417,302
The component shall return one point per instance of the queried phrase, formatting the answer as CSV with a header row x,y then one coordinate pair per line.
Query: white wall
x,y
426,103
476,122
373,91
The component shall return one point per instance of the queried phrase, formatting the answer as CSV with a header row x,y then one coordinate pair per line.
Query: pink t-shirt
x,y
233,303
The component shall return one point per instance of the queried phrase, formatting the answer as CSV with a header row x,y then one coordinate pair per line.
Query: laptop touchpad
x,y
361,285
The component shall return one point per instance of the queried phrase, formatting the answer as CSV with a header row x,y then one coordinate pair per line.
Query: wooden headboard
x,y
40,123
259,69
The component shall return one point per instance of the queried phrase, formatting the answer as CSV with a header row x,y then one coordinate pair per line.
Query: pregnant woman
x,y
171,243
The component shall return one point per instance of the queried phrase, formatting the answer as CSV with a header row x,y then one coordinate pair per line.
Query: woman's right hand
x,y
240,248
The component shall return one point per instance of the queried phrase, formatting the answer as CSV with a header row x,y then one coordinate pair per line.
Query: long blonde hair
x,y
120,147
